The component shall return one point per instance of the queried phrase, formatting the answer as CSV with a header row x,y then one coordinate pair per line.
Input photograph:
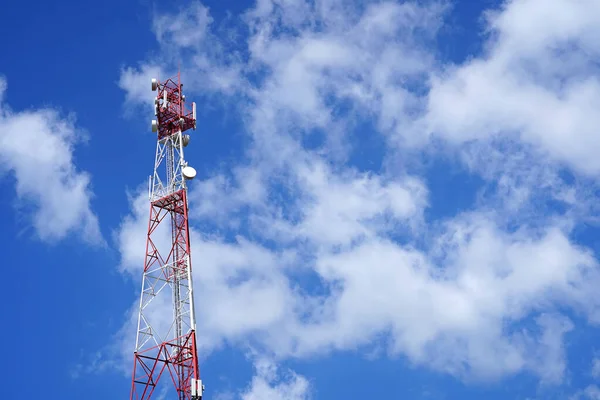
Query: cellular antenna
x,y
165,343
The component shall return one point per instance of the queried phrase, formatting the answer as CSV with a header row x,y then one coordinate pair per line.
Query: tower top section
x,y
172,115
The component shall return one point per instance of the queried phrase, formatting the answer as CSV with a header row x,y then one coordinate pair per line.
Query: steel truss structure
x,y
171,345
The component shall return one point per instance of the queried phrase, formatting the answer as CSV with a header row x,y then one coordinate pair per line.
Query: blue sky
x,y
393,200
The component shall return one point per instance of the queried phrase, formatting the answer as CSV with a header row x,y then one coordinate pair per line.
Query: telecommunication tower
x,y
164,342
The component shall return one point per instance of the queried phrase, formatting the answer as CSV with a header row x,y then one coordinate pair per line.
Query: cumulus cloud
x,y
448,309
36,148
269,384
535,83
322,255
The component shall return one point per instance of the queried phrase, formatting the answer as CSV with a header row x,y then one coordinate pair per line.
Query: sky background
x,y
394,200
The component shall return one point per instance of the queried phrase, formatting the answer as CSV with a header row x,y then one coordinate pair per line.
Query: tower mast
x,y
164,343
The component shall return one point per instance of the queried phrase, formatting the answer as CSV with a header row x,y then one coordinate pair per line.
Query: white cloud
x,y
596,368
133,232
136,84
339,209
219,196
453,315
592,392
536,82
480,298
248,281
269,384
185,29
36,148
333,53
448,309
239,276
214,65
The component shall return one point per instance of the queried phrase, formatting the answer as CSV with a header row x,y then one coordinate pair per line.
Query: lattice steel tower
x,y
165,341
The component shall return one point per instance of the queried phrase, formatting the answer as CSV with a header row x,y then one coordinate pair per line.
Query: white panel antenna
x,y
194,113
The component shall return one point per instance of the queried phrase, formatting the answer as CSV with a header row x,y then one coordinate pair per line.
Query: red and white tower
x,y
168,342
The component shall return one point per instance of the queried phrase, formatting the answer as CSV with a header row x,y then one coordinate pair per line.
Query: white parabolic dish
x,y
188,172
